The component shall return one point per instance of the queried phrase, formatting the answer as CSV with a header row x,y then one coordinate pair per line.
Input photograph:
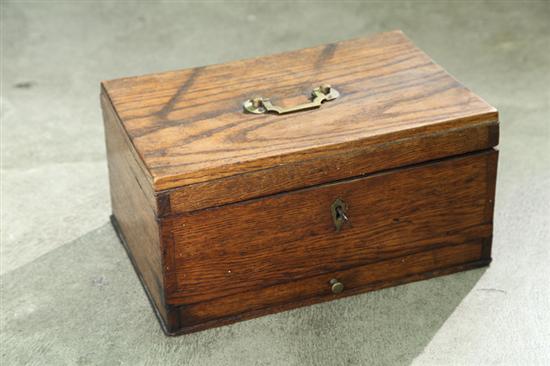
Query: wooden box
x,y
230,208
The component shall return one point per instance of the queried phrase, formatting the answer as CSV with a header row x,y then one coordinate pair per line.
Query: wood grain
x,y
225,215
188,126
258,243
132,209
307,291
306,173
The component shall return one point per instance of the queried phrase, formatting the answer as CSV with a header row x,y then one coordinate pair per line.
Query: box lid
x,y
189,127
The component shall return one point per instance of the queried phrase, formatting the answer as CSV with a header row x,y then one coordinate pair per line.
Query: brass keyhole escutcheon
x,y
336,286
339,209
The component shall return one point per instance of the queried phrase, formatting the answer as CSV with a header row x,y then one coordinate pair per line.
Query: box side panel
x,y
337,165
491,176
133,210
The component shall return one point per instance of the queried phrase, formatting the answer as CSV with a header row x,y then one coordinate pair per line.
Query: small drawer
x,y
391,272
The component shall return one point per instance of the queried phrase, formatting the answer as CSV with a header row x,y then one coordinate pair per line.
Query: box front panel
x,y
268,242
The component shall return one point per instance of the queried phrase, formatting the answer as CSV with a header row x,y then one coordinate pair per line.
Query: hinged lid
x,y
395,107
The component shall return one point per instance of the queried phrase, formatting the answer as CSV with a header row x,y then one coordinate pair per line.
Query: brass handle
x,y
319,95
336,286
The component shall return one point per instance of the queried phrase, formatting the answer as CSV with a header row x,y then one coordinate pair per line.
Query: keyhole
x,y
339,215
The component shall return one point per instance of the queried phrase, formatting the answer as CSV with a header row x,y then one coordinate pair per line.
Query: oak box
x,y
261,185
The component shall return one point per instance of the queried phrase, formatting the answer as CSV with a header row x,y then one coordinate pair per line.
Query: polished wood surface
x,y
188,126
355,162
133,210
311,290
226,215
240,247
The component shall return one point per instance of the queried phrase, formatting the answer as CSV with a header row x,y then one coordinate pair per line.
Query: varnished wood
x,y
356,162
240,247
133,210
308,291
188,126
225,215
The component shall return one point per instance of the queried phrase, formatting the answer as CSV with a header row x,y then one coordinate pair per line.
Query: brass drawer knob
x,y
336,286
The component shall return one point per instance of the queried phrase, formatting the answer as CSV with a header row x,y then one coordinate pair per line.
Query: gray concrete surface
x,y
68,292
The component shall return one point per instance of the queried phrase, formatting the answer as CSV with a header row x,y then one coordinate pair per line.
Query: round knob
x,y
336,286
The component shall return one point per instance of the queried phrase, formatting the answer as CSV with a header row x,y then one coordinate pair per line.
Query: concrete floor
x,y
69,294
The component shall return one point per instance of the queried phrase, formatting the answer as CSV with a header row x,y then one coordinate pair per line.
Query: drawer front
x,y
311,290
286,237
